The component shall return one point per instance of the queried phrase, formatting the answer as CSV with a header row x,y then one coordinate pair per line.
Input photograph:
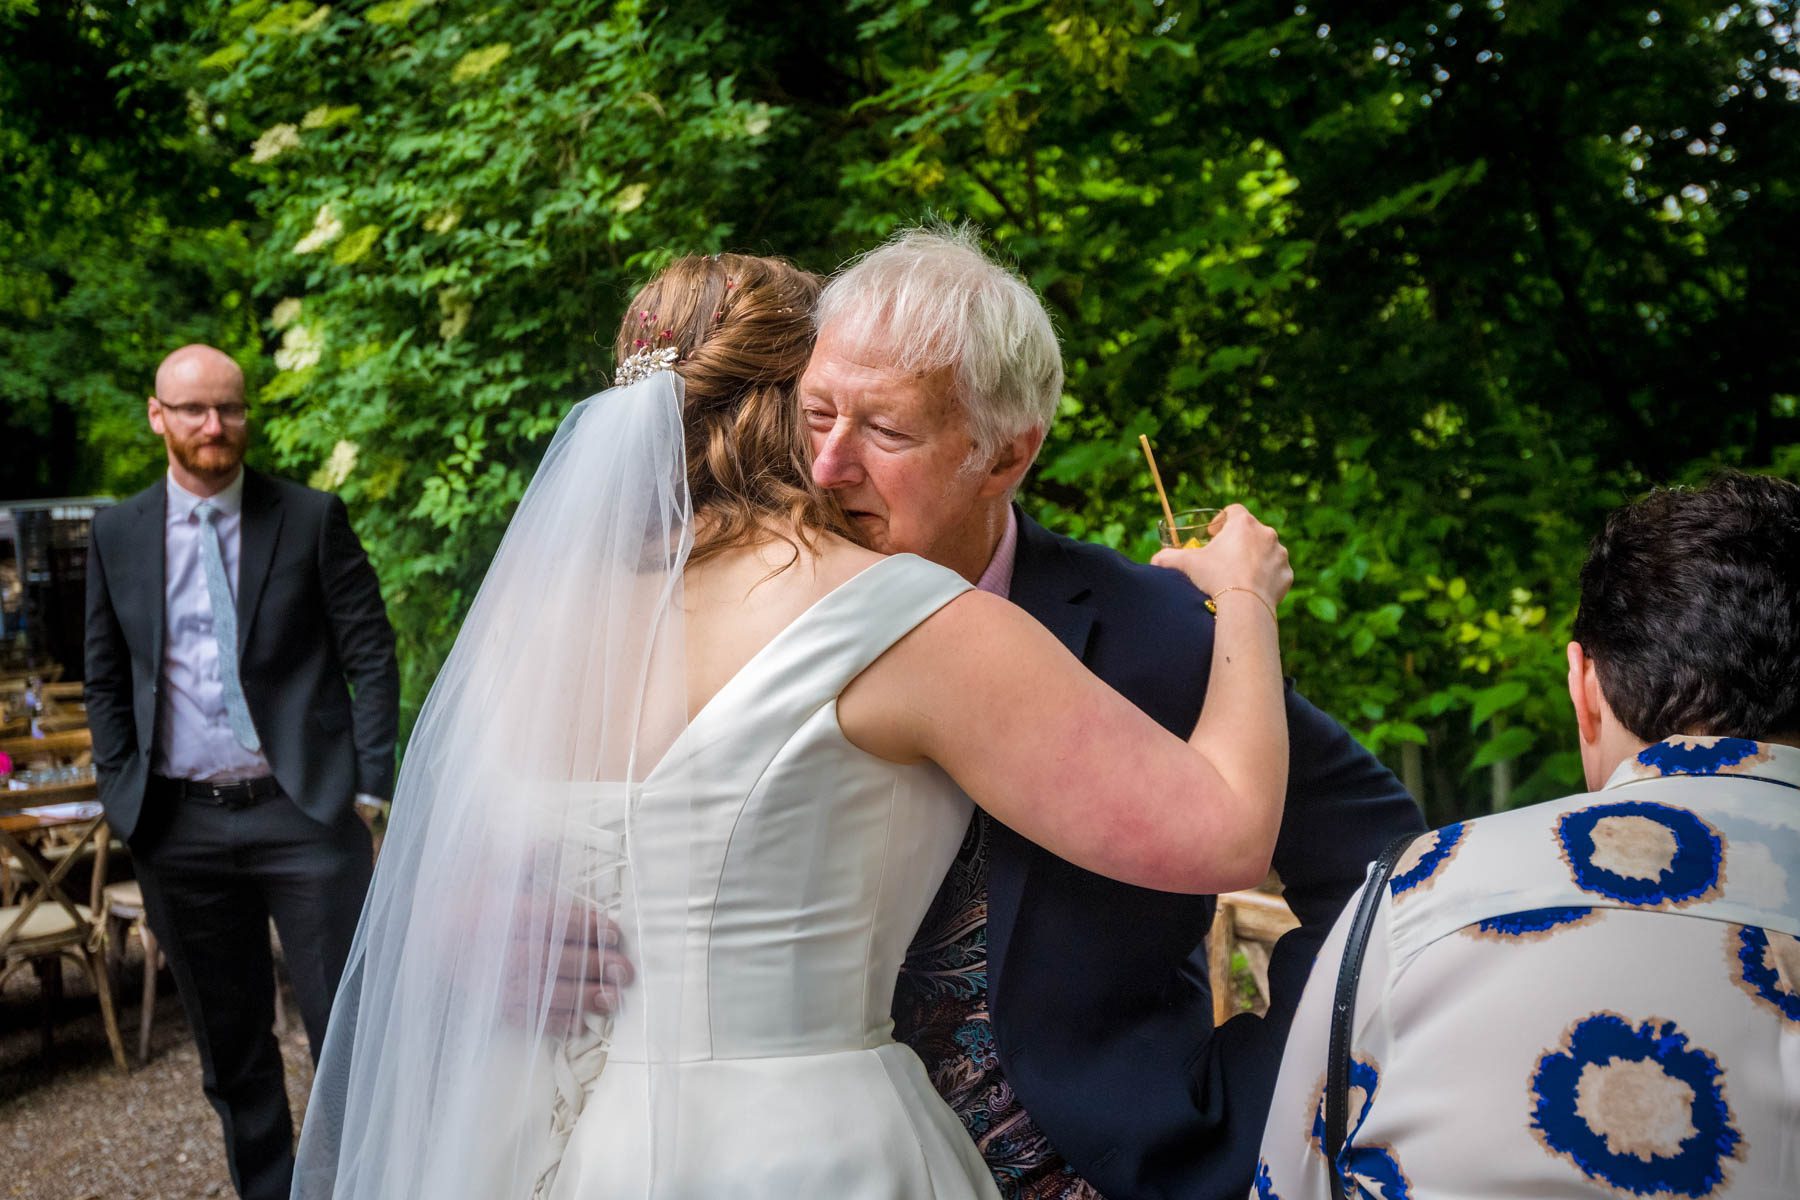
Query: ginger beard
x,y
208,455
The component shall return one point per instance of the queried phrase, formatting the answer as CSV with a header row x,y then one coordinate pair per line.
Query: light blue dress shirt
x,y
194,738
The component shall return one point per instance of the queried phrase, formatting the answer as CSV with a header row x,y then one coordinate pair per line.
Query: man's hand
x,y
372,809
591,973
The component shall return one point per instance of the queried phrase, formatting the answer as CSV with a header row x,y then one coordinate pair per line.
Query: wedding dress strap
x,y
805,666
863,617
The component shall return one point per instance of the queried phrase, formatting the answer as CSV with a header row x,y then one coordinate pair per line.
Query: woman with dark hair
x,y
689,713
1599,996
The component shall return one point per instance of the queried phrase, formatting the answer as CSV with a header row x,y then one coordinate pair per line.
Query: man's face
x,y
199,412
894,448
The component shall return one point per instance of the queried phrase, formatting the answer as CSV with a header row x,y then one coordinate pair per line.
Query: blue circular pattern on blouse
x,y
1265,1186
1705,758
1538,920
1374,1165
1445,843
1692,873
1764,980
1696,1169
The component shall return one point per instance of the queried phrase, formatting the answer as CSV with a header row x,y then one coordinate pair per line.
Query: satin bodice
x,y
809,863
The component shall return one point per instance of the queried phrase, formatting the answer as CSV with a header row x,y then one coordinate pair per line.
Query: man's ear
x,y
153,412
1584,693
1009,466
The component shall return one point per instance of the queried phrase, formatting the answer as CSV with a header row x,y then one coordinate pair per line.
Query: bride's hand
x,y
1243,553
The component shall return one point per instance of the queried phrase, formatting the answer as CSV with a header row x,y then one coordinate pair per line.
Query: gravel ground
x,y
81,1130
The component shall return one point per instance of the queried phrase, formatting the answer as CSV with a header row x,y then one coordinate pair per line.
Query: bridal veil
x,y
547,751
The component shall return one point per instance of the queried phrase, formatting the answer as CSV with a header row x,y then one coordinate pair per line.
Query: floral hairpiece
x,y
645,363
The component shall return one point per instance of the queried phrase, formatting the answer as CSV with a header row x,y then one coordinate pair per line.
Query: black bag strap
x,y
1343,1008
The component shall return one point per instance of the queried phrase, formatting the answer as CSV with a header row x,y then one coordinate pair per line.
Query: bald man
x,y
243,695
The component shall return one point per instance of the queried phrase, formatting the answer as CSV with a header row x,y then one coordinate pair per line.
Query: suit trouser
x,y
212,878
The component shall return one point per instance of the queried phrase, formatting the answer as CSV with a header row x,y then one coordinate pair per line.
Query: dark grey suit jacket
x,y
315,650
1101,1010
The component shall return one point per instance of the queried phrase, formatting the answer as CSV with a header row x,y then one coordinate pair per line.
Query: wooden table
x,y
22,818
71,743
15,806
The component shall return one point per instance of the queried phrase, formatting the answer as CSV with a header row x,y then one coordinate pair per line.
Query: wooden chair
x,y
72,748
17,679
63,693
47,925
63,709
1250,921
122,911
15,720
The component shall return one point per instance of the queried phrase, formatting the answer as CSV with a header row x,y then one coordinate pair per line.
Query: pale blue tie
x,y
224,628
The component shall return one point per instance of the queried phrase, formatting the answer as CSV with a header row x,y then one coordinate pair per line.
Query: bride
x,y
688,716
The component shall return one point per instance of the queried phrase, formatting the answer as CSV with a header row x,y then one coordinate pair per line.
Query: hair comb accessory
x,y
644,364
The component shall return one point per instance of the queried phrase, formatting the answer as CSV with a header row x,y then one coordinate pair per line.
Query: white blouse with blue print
x,y
1594,997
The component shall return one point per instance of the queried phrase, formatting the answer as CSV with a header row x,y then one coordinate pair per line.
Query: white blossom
x,y
337,468
300,349
326,230
275,141
286,312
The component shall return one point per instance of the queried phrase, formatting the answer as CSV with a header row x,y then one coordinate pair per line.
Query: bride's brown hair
x,y
743,329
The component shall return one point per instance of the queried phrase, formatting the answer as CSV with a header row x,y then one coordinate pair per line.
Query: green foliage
x,y
120,239
1431,285
457,201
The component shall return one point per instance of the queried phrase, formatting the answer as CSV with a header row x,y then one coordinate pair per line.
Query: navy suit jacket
x,y
311,627
1104,1027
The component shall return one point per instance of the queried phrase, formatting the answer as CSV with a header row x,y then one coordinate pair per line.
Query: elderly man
x,y
1060,1013
242,689
1600,996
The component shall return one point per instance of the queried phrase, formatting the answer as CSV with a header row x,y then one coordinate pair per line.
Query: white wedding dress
x,y
812,864
766,877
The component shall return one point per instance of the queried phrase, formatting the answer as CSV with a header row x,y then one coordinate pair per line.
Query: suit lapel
x,y
256,549
147,549
1047,585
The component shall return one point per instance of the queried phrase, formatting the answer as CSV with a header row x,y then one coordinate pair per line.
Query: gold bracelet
x,y
1251,592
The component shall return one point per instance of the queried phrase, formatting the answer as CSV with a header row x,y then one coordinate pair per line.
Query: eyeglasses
x,y
195,414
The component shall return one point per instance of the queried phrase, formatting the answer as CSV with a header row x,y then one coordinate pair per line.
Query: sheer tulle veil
x,y
545,772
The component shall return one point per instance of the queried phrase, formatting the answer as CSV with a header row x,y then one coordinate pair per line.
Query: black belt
x,y
240,794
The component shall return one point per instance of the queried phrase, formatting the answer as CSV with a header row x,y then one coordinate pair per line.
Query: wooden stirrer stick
x,y
1156,478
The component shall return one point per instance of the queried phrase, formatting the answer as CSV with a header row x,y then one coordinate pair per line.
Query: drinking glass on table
x,y
1193,528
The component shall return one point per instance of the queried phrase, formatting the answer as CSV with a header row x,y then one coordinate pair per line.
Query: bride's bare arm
x,y
1038,741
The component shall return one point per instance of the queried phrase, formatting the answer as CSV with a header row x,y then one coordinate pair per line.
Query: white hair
x,y
930,298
